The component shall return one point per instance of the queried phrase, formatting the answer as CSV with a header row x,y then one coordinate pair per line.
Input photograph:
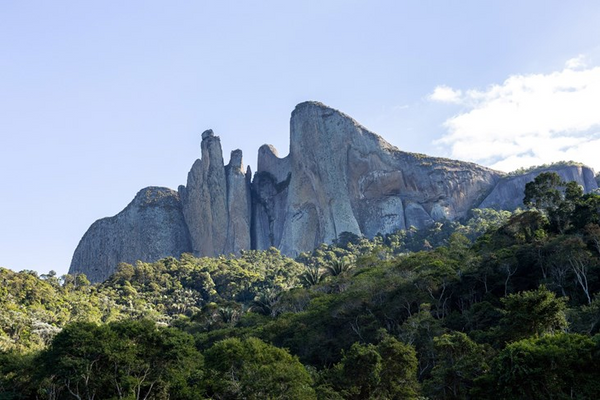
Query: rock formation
x,y
151,227
208,217
508,193
338,177
216,201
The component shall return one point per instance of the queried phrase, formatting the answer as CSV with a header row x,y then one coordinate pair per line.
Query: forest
x,y
501,305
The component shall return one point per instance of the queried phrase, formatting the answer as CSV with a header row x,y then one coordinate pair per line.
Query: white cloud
x,y
445,94
530,120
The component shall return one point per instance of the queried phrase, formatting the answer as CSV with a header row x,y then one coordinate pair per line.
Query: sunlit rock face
x,y
338,177
216,201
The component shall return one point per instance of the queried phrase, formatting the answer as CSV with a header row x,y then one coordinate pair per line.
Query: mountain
x,y
151,227
338,177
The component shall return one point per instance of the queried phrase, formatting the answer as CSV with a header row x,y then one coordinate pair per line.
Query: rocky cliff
x,y
338,177
216,201
508,193
209,216
151,227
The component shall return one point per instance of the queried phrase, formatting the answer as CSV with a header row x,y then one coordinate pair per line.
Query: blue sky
x,y
100,99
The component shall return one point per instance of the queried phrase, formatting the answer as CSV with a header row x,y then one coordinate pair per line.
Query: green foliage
x,y
459,362
383,371
562,366
312,276
459,310
586,318
17,375
483,220
126,359
523,171
564,203
252,369
339,267
360,371
399,374
33,310
532,313
587,211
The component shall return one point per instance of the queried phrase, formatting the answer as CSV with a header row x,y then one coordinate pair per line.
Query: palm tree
x,y
228,315
312,275
264,301
339,267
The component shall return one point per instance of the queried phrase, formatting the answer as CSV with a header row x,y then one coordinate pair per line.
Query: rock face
x,y
151,227
338,177
216,201
508,193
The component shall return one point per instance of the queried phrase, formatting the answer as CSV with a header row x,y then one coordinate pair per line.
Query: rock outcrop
x,y
338,177
216,201
508,193
151,227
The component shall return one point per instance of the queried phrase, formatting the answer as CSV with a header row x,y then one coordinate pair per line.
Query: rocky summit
x,y
338,177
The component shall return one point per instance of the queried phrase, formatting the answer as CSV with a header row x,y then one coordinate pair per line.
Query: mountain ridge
x,y
337,177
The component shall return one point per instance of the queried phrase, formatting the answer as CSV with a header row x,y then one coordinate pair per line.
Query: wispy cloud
x,y
400,107
528,119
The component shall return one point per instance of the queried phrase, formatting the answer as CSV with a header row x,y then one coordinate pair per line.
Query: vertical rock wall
x,y
340,177
216,201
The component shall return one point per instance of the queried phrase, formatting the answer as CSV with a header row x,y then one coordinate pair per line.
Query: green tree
x,y
399,373
459,362
360,371
544,191
253,369
532,313
387,370
561,366
557,198
132,359
16,376
419,330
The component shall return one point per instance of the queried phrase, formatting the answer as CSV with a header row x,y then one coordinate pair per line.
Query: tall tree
x,y
532,313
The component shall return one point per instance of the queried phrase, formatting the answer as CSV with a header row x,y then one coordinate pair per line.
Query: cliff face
x,y
508,193
151,227
338,177
216,201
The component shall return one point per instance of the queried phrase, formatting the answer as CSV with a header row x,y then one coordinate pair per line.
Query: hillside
x,y
512,314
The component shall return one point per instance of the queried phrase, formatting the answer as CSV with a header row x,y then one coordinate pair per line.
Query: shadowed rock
x,y
509,192
151,227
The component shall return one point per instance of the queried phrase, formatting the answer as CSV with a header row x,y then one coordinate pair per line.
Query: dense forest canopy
x,y
502,305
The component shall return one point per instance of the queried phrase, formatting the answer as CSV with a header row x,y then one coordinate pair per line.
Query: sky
x,y
100,99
